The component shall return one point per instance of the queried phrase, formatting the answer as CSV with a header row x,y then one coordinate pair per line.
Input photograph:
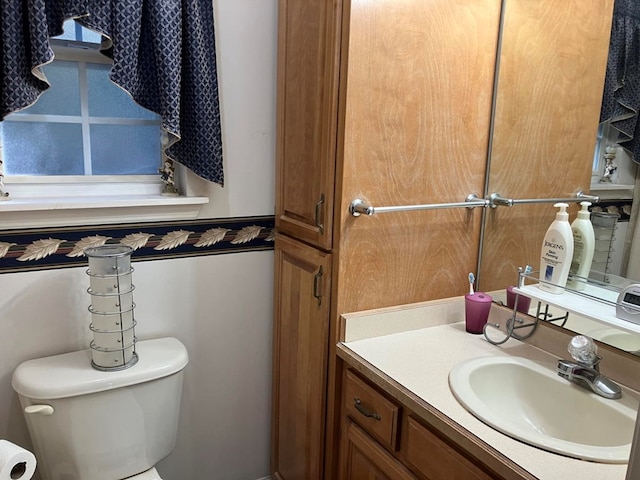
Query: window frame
x,y
83,53
51,201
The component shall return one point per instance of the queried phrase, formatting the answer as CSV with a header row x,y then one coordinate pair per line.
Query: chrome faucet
x,y
585,371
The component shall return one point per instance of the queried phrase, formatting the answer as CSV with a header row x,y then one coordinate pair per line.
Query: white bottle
x,y
584,241
556,253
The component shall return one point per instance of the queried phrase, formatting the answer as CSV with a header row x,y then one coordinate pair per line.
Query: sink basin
x,y
531,403
624,340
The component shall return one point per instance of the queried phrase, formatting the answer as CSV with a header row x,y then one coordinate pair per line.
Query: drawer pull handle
x,y
316,286
358,404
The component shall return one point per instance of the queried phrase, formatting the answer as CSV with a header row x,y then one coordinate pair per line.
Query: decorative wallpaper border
x,y
41,249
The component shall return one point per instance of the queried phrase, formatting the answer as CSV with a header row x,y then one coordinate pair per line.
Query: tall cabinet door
x,y
301,330
308,55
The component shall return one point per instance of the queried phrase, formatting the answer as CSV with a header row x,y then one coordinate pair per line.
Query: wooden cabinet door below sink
x,y
365,459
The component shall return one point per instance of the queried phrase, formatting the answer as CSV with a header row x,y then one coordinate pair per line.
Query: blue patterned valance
x,y
163,54
621,98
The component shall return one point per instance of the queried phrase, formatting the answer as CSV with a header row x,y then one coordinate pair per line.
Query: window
x,y
83,124
85,153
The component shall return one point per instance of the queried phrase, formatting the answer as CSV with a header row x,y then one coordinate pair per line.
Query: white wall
x,y
246,36
219,306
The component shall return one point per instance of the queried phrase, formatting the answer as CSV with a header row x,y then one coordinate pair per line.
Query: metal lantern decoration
x,y
112,320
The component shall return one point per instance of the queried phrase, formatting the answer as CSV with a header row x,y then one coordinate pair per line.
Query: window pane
x,y
108,100
57,151
75,31
69,31
125,149
63,96
90,36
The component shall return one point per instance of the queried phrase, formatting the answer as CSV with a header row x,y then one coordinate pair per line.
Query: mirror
x,y
546,111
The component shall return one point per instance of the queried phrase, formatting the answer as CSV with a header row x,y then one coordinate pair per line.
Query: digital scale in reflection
x,y
628,304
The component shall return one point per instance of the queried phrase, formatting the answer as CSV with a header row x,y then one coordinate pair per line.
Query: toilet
x,y
87,424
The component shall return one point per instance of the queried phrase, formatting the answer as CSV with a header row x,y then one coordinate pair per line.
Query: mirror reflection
x,y
553,138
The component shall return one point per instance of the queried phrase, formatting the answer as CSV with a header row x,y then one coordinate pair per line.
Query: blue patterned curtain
x,y
163,54
621,98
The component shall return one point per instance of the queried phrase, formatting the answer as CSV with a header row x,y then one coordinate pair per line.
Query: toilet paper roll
x,y
16,463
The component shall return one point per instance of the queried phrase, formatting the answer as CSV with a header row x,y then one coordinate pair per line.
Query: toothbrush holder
x,y
476,311
524,303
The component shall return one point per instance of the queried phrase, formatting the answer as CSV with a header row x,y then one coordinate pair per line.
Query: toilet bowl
x,y
88,424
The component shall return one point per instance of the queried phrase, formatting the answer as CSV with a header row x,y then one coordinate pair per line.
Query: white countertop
x,y
420,361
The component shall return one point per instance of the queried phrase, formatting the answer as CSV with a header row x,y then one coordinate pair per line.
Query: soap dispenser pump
x,y
583,246
557,252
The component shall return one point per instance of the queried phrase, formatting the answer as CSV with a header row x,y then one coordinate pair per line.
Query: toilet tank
x,y
87,424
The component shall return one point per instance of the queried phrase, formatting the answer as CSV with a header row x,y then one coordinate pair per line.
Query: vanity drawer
x,y
435,458
371,409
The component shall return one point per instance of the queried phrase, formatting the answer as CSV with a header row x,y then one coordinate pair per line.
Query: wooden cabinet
x,y
379,415
372,100
308,55
302,276
436,459
421,452
389,101
364,459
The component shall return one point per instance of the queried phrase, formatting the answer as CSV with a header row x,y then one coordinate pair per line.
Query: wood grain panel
x,y
436,459
364,459
552,67
300,360
416,104
383,421
308,55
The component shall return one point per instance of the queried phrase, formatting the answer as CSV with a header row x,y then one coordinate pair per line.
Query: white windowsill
x,y
96,210
83,203
612,191
36,202
611,186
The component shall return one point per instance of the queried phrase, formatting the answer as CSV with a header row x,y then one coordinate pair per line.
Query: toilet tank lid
x,y
71,374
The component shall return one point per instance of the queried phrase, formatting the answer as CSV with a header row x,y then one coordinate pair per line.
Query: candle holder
x,y
112,320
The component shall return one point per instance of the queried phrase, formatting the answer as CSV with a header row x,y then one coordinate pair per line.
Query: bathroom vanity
x,y
393,103
399,418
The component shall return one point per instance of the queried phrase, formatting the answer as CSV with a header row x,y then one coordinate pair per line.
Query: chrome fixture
x,y
113,324
585,370
495,200
515,323
361,207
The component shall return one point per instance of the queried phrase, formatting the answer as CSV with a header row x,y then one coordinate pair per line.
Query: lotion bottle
x,y
583,246
556,253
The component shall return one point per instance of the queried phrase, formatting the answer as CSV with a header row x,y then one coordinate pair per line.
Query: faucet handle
x,y
584,350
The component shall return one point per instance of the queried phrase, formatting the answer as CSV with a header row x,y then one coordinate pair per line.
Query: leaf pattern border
x,y
48,248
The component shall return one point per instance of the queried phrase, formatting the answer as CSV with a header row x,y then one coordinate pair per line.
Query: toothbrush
x,y
472,279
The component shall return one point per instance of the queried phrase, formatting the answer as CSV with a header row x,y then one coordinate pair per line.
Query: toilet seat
x,y
151,474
